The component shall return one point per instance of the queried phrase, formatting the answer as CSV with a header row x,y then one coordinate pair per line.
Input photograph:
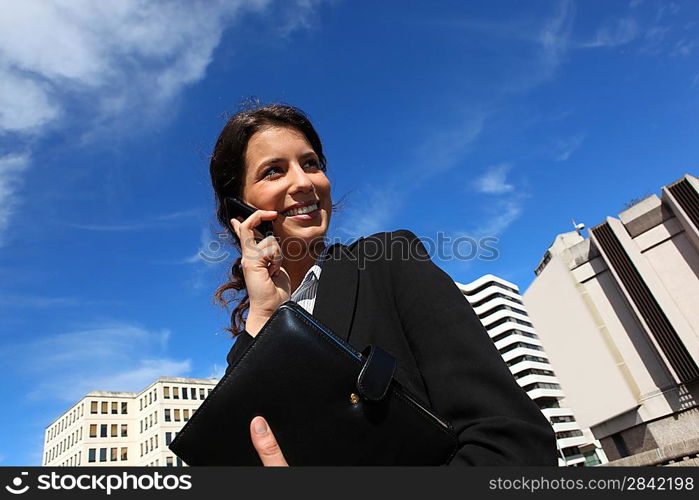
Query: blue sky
x,y
502,119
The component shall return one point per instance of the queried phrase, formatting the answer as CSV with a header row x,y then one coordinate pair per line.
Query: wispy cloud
x,y
114,356
149,222
564,148
109,66
613,33
494,180
501,214
41,302
12,168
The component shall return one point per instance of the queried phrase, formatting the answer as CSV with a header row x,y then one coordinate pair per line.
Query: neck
x,y
299,266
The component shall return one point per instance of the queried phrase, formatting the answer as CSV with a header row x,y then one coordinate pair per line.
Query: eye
x,y
313,163
271,172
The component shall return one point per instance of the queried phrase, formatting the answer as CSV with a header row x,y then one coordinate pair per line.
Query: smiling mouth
x,y
302,210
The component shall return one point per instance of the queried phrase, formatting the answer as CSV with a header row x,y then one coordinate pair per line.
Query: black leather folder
x,y
326,403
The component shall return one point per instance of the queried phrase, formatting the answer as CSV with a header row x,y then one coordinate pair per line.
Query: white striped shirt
x,y
305,294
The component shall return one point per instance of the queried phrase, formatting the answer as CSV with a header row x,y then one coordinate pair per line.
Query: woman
x,y
394,297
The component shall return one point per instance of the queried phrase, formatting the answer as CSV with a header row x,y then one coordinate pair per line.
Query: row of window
x,y
114,454
69,462
174,415
540,385
568,434
502,307
169,462
64,444
113,430
488,284
152,441
511,320
506,334
149,421
533,371
186,392
104,407
562,419
148,399
70,418
496,296
516,345
527,357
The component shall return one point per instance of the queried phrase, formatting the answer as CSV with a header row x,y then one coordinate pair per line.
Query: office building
x,y
499,306
618,312
125,428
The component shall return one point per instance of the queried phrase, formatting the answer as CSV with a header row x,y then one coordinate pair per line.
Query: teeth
x,y
302,210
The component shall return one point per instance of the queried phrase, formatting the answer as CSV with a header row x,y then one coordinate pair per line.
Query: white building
x,y
617,311
499,306
125,428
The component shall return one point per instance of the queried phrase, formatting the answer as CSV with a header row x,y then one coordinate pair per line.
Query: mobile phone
x,y
236,208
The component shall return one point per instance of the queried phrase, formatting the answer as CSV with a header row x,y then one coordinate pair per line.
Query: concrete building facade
x,y
125,428
500,308
618,312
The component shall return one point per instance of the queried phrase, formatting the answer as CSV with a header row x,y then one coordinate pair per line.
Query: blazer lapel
x,y
337,290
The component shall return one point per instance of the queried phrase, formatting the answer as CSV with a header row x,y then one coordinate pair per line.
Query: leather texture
x,y
377,373
301,378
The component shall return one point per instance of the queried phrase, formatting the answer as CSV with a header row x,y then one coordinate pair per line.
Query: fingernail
x,y
260,427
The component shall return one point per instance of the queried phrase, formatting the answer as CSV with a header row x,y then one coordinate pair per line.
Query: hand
x,y
266,444
267,282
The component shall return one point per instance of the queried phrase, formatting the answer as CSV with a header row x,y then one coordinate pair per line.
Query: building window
x,y
193,393
168,438
141,449
177,415
184,393
156,440
124,453
175,393
141,425
93,430
185,415
123,408
103,454
179,462
114,430
155,398
168,461
201,393
166,392
167,415
113,455
209,391
105,407
91,454
124,430
140,404
103,430
115,408
81,433
150,397
93,407
150,441
150,420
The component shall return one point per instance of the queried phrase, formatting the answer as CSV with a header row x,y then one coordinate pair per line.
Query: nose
x,y
300,180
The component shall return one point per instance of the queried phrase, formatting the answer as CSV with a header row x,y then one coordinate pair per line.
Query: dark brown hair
x,y
227,169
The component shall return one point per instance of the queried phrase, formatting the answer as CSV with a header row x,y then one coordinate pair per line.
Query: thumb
x,y
266,444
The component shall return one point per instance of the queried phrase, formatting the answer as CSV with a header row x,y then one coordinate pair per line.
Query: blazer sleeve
x,y
242,341
467,381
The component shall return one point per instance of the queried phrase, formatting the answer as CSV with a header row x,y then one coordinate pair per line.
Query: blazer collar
x,y
337,289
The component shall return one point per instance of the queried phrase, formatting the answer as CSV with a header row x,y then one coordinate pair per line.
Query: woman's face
x,y
281,171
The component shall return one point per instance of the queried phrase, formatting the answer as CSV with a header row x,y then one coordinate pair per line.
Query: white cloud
x,y
614,33
115,56
114,356
564,148
501,214
494,180
12,168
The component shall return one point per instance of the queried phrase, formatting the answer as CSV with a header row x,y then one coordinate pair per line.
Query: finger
x,y
266,444
248,236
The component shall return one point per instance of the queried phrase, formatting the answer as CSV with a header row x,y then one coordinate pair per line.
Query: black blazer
x,y
385,290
